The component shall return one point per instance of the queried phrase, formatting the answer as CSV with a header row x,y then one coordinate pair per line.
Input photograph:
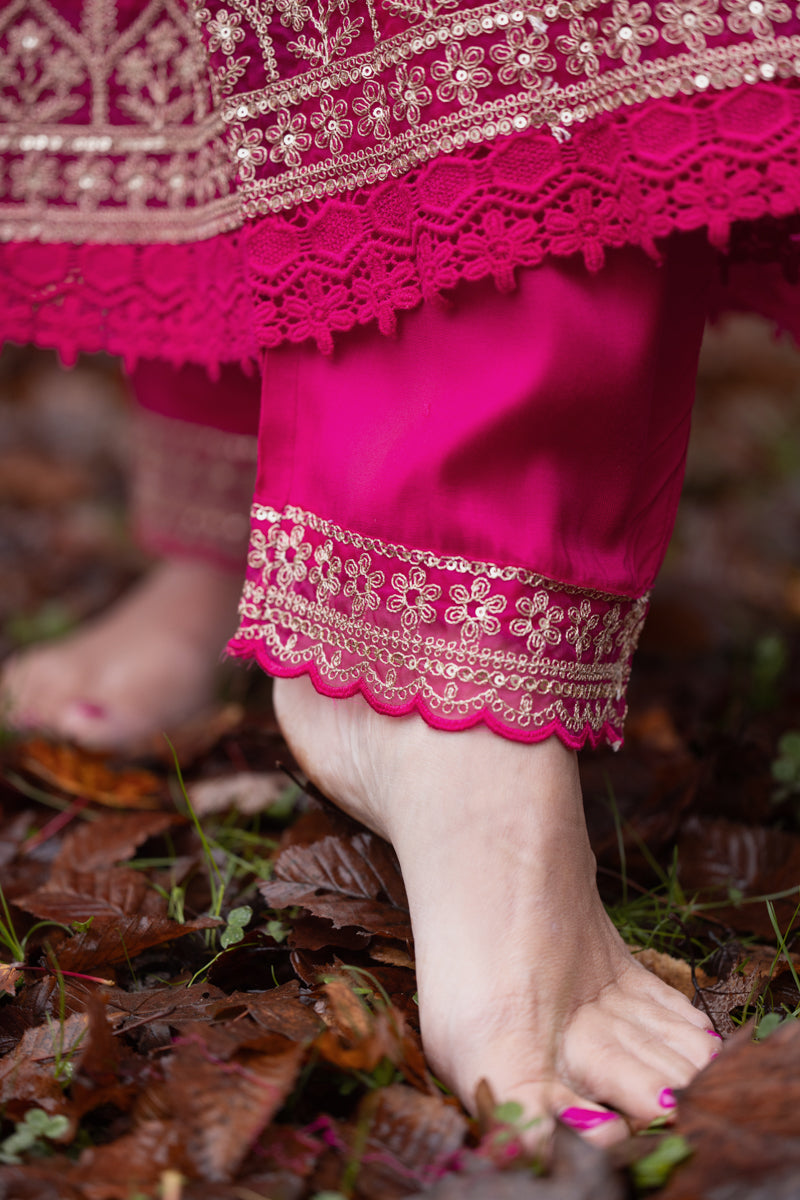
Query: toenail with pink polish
x,y
715,1055
713,1033
586,1118
87,708
667,1098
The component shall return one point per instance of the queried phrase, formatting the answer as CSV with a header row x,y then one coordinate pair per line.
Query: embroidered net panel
x,y
457,640
191,488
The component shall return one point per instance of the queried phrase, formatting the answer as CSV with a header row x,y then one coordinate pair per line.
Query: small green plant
x,y
654,1169
8,934
238,919
767,669
31,1135
786,767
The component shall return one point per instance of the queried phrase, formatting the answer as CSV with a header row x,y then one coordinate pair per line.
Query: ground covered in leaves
x,y
206,983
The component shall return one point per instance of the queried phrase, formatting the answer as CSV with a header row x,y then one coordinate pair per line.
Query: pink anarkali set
x,y
470,247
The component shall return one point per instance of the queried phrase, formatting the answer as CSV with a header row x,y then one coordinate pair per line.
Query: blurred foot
x,y
141,668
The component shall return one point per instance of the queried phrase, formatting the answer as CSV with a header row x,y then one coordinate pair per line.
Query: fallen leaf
x,y
111,840
354,881
83,773
248,792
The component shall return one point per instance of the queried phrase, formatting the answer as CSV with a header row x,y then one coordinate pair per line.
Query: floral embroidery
x,y
461,74
582,45
539,623
409,93
294,13
366,596
373,108
481,619
582,622
523,58
756,16
325,575
559,666
250,153
627,30
288,138
414,598
291,553
689,21
225,31
331,124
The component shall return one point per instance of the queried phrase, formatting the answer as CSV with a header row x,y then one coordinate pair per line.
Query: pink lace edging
x,y
186,303
710,161
607,733
460,641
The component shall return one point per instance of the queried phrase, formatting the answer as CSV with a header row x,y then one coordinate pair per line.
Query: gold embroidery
x,y
452,52
460,663
122,126
192,487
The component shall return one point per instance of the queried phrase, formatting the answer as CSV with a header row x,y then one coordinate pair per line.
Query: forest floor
x,y
207,988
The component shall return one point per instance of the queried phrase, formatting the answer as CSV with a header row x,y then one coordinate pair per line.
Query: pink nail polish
x,y
586,1118
95,712
667,1098
715,1055
713,1033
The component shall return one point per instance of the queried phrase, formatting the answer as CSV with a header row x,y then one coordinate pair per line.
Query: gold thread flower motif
x,y
225,31
35,177
373,108
756,16
612,633
88,181
582,45
294,14
481,619
409,93
290,553
461,74
289,141
627,31
523,57
414,598
325,575
249,150
538,622
689,21
359,572
582,622
331,124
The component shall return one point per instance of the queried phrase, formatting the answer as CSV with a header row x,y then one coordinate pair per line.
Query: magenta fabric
x,y
488,494
194,460
230,402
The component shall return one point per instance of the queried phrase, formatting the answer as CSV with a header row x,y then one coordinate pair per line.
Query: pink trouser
x,y
465,519
194,461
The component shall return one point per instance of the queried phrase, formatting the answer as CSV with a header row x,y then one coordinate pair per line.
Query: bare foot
x,y
523,980
140,668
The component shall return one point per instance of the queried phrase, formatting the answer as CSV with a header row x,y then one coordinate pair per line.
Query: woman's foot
x,y
141,668
523,981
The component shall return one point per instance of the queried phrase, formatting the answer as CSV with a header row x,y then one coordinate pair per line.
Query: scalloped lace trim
x,y
705,162
183,303
460,641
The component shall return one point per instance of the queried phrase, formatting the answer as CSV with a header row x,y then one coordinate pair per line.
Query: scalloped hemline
x,y
607,734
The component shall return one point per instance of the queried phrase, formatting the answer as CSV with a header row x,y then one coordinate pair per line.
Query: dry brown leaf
x,y
247,791
220,1108
111,840
349,881
28,1075
83,773
674,971
411,1138
742,1116
714,856
9,978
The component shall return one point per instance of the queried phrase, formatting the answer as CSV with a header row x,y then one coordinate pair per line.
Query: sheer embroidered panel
x,y
110,125
192,488
459,641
